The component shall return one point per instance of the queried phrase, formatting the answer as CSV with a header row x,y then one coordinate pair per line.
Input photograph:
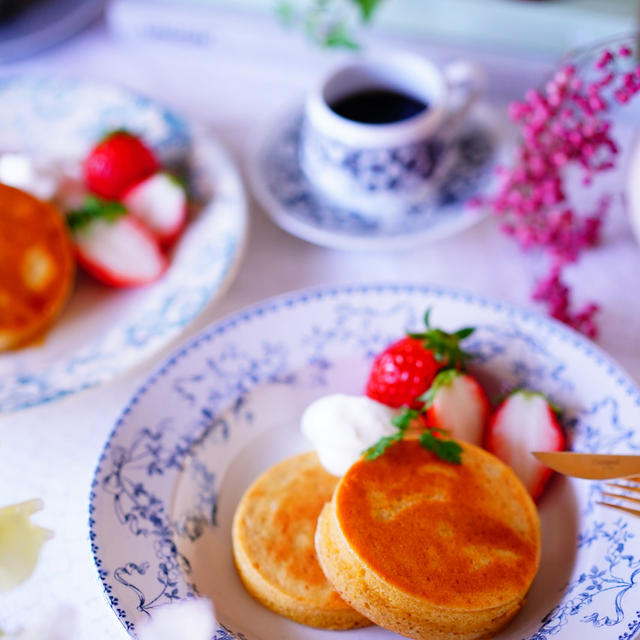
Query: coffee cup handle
x,y
465,81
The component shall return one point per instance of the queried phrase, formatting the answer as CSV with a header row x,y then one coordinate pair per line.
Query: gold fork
x,y
629,485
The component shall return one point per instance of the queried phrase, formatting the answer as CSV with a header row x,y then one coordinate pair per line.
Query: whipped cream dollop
x,y
341,427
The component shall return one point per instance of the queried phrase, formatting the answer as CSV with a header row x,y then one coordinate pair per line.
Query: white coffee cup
x,y
381,169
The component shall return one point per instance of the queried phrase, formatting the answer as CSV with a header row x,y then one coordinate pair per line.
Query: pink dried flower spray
x,y
566,124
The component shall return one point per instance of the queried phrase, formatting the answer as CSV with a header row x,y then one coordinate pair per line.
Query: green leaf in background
x,y
367,8
328,23
338,36
286,13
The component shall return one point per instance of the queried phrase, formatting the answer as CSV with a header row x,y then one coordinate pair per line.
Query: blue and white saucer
x,y
295,205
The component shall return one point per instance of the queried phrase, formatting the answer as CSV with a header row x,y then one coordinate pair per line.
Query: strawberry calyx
x,y
94,208
445,346
116,132
443,379
529,393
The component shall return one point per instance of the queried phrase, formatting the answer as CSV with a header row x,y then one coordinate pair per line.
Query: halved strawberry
x,y
406,368
115,247
160,202
457,403
118,161
524,422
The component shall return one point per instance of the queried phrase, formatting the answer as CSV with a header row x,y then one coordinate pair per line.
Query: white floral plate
x,y
104,331
226,406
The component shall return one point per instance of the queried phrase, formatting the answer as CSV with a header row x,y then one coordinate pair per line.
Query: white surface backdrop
x,y
234,84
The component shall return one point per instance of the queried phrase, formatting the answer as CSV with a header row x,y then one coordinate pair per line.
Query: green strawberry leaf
x,y
447,450
377,449
403,420
94,209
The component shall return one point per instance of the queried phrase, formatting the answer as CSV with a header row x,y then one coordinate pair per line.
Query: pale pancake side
x,y
273,544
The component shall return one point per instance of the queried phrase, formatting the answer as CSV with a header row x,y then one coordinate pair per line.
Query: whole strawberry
x,y
406,369
117,162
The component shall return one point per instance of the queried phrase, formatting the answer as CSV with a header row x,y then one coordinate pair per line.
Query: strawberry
x,y
406,368
118,161
113,246
457,404
160,202
524,422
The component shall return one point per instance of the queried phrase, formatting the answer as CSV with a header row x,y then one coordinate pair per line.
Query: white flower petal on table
x,y
20,542
192,619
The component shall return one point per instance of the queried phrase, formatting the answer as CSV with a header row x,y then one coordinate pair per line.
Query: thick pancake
x,y
36,266
273,544
430,549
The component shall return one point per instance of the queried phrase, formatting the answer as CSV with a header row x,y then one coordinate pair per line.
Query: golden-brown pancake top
x,y
456,535
36,264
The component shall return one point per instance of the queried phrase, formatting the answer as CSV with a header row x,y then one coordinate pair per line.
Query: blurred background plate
x,y
29,26
103,331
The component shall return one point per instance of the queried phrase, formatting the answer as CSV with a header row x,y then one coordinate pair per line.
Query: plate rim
x,y
276,303
224,160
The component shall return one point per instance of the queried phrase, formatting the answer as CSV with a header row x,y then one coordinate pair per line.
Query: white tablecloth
x,y
235,85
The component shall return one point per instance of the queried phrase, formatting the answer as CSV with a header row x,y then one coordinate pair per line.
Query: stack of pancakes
x,y
36,266
422,547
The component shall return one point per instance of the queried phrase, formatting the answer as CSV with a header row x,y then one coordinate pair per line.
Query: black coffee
x,y
378,106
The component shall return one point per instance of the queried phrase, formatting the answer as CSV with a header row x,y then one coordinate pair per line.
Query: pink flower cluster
x,y
566,124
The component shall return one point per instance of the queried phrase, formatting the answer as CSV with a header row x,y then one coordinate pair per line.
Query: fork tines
x,y
627,485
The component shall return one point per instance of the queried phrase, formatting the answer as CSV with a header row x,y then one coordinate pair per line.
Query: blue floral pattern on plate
x,y
296,206
226,405
103,332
